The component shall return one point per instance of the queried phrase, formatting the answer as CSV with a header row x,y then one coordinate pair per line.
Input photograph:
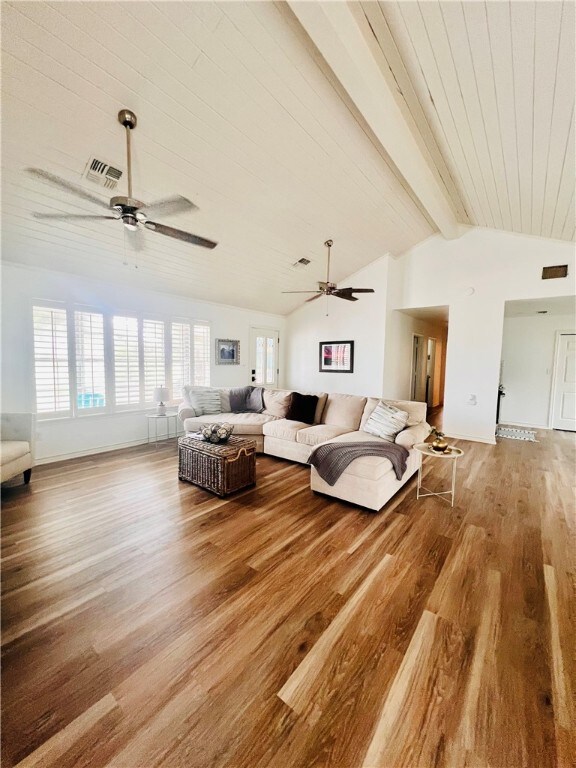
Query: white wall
x,y
62,438
475,275
527,365
363,321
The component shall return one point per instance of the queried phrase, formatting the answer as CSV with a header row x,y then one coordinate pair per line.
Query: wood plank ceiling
x,y
492,85
238,112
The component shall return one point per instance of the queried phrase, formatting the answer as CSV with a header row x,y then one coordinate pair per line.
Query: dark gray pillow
x,y
238,398
255,400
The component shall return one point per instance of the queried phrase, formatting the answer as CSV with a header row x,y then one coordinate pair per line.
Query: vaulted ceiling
x,y
375,124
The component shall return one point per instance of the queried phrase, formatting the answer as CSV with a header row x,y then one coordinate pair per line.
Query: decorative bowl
x,y
216,433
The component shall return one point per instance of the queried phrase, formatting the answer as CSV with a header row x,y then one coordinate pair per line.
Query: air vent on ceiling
x,y
102,173
542,312
549,273
301,262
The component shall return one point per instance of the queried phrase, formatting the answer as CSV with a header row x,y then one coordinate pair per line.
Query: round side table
x,y
452,454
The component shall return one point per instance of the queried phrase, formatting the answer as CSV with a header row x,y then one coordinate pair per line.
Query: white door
x,y
264,357
564,395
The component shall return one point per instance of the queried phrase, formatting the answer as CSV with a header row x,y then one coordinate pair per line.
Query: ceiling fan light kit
x,y
134,213
326,288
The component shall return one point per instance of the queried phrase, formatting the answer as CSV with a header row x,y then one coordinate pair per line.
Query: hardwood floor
x,y
148,623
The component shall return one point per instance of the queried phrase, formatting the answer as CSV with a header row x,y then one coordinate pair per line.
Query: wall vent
x,y
550,273
102,173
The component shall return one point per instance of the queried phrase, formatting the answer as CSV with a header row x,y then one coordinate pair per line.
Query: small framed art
x,y
337,356
227,352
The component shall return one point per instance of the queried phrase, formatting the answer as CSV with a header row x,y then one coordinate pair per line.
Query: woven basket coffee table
x,y
219,467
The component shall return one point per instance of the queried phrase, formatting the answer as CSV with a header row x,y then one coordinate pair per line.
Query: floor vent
x,y
516,434
102,173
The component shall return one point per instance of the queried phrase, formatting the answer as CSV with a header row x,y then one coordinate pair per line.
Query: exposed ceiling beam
x,y
343,36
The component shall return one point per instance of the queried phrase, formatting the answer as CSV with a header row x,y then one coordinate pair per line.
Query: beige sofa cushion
x,y
416,411
276,402
244,423
318,434
284,429
344,411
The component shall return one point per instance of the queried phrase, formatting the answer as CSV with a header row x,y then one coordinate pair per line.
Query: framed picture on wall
x,y
227,352
337,356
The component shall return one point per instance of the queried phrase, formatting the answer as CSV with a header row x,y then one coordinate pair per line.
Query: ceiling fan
x,y
329,289
134,214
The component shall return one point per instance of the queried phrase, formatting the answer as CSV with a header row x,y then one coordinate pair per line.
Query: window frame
x,y
111,407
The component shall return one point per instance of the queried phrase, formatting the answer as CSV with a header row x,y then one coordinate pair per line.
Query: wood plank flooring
x,y
148,623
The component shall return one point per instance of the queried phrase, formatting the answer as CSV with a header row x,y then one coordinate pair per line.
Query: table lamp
x,y
160,394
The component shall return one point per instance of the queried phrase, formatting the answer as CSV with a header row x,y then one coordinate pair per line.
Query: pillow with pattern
x,y
386,421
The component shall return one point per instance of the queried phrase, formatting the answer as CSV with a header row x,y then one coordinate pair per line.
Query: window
x,y
201,355
88,361
181,373
90,365
126,360
51,360
154,357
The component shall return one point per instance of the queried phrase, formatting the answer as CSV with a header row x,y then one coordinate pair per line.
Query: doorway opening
x,y
423,369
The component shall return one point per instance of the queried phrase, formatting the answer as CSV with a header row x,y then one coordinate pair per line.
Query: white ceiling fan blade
x,y
169,206
72,216
67,186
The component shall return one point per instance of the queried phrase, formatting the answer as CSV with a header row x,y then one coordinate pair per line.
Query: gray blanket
x,y
332,459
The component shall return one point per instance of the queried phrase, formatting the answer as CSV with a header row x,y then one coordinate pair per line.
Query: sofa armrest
x,y
185,411
19,426
412,435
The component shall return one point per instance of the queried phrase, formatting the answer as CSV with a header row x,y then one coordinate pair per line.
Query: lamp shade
x,y
160,394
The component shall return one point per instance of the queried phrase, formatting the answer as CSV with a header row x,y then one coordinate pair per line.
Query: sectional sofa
x,y
368,482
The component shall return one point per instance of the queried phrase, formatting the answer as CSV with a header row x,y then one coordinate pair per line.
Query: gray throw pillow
x,y
238,398
255,400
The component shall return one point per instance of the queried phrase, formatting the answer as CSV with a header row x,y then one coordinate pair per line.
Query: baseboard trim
x,y
93,451
472,438
521,424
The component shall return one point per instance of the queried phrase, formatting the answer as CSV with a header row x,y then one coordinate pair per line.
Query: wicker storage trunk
x,y
221,468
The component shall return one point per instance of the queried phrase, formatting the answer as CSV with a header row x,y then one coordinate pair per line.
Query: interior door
x,y
264,357
564,396
418,384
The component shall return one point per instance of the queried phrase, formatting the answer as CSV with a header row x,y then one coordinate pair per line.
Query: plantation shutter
x,y
201,355
126,360
154,357
90,364
51,360
181,373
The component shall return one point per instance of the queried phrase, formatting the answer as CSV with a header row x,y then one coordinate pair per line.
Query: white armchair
x,y
17,445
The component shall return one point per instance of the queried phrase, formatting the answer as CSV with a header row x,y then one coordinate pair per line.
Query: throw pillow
x,y
205,401
238,397
255,401
386,421
276,402
302,407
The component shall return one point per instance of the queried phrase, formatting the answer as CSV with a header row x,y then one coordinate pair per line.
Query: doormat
x,y
516,434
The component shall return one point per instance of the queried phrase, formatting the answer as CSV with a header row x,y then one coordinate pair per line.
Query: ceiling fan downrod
x,y
128,119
